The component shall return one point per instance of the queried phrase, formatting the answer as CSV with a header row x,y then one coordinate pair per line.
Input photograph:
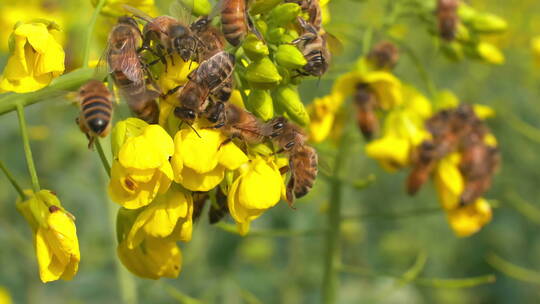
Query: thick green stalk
x,y
333,226
59,86
12,180
86,54
27,149
102,157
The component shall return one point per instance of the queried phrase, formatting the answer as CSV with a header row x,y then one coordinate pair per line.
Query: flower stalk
x,y
12,180
27,149
102,157
86,54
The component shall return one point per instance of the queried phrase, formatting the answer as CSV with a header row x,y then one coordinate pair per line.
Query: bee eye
x,y
82,92
278,126
289,145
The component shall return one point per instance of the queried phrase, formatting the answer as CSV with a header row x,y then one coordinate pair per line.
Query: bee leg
x,y
228,140
90,141
171,91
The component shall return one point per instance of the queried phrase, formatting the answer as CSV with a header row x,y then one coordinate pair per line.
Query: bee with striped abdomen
x,y
96,110
313,46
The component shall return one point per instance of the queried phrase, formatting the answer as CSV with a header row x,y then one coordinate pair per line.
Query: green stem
x,y
230,228
27,149
126,283
331,260
12,180
430,85
512,270
86,54
102,157
70,81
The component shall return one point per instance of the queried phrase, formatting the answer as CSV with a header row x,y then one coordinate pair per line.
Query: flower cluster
x,y
233,148
453,146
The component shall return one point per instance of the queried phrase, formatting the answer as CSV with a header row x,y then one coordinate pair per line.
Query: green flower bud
x,y
453,51
275,34
288,98
254,48
262,74
284,14
124,221
261,26
198,7
263,6
290,57
260,104
466,13
489,53
489,23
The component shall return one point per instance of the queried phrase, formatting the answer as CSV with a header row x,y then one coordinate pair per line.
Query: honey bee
x,y
127,70
478,164
219,210
385,55
199,201
313,9
303,159
312,44
168,34
212,37
423,160
236,122
234,21
96,110
447,18
208,77
366,103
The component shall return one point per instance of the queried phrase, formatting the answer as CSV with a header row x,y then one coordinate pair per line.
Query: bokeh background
x,y
281,261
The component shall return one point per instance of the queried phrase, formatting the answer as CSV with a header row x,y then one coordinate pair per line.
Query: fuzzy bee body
x,y
447,18
312,44
366,104
96,110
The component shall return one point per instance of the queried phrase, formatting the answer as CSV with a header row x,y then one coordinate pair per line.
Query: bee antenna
x,y
192,128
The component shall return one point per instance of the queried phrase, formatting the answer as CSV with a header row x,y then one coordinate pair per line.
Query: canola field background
x,y
384,233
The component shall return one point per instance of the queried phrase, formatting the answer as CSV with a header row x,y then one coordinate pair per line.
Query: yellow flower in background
x,y
385,85
5,297
322,113
200,160
490,53
153,258
160,219
257,187
55,235
141,168
403,131
115,8
468,220
535,46
449,183
36,58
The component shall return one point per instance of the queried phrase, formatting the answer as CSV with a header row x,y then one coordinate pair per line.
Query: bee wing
x,y
137,13
129,64
181,10
334,44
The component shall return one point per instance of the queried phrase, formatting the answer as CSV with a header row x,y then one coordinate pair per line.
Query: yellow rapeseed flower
x,y
490,53
322,113
169,215
403,131
5,297
449,183
36,58
535,46
385,85
200,160
55,235
257,187
141,167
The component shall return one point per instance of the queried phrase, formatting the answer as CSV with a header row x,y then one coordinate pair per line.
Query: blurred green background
x,y
385,230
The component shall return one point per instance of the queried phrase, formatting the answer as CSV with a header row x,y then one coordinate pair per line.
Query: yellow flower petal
x,y
147,151
468,220
231,157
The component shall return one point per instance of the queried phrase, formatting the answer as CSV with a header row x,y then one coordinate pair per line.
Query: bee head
x,y
185,113
129,21
200,25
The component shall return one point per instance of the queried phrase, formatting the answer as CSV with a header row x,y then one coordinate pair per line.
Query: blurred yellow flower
x,y
5,297
55,235
115,8
141,168
403,131
464,220
257,187
153,258
36,58
322,113
386,87
200,160
535,46
160,218
490,53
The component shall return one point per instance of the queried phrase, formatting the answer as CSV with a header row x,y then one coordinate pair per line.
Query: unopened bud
x,y
289,99
290,57
260,104
263,74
